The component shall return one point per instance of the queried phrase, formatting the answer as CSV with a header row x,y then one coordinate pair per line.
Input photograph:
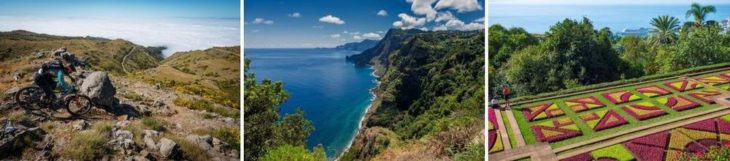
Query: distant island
x,y
358,46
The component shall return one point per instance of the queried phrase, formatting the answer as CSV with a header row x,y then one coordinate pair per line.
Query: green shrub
x,y
154,124
229,135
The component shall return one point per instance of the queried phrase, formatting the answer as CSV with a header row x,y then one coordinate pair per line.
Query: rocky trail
x,y
135,120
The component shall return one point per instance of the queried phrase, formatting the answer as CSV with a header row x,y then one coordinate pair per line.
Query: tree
x,y
504,42
665,29
293,129
261,112
701,46
699,13
635,52
289,152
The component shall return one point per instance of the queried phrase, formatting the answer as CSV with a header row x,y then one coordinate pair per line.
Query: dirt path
x,y
125,59
502,130
515,128
536,152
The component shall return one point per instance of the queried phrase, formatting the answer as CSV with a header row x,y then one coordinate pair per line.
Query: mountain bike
x,y
33,98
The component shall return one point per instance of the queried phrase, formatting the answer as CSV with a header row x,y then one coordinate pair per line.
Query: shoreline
x,y
368,111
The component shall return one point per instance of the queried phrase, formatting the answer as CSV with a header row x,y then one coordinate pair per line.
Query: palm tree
x,y
699,12
665,29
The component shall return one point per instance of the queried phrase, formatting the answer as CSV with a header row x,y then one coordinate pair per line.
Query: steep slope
x,y
430,102
212,74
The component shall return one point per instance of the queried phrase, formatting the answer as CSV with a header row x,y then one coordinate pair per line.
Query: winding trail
x,y
125,59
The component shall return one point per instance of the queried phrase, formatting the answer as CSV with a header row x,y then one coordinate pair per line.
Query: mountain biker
x,y
61,65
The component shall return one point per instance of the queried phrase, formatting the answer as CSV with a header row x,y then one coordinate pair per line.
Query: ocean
x,y
333,93
539,18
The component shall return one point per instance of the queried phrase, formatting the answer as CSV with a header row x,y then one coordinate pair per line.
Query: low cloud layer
x,y
177,34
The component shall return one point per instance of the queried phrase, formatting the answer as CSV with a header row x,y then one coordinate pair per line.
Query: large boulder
x,y
168,148
99,87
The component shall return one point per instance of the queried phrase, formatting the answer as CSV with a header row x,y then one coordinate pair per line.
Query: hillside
x,y
437,115
159,110
358,46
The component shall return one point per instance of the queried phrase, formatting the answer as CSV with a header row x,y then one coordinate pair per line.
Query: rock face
x,y
12,91
167,148
99,87
122,141
80,125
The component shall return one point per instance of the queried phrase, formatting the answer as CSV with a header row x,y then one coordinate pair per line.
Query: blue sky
x,y
180,25
537,16
123,8
326,23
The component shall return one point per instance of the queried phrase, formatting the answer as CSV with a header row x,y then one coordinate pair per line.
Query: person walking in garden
x,y
506,93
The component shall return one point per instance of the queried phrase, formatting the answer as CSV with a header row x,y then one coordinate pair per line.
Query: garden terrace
x,y
579,124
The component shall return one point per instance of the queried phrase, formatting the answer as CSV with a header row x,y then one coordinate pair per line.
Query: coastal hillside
x,y
149,107
429,104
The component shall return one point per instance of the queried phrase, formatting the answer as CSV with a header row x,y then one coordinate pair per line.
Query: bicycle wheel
x,y
78,104
30,98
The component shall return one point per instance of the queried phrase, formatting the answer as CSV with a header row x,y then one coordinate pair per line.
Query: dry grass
x,y
89,144
190,151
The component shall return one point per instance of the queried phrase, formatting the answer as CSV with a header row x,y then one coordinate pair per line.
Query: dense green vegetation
x,y
432,87
268,137
572,53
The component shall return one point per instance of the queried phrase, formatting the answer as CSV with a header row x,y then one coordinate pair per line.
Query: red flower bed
x,y
705,95
555,130
585,103
643,110
713,80
683,85
678,103
601,120
619,97
653,91
547,110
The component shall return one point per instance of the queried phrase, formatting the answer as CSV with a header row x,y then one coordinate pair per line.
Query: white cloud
x,y
423,7
459,5
444,16
259,20
371,35
381,31
295,15
177,34
408,22
331,19
382,13
479,20
335,36
456,24
357,37
423,29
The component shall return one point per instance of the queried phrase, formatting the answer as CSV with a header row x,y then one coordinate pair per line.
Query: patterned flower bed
x,y
603,119
555,130
547,110
619,97
683,85
724,87
653,91
493,138
585,103
644,110
706,95
678,103
666,145
713,80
